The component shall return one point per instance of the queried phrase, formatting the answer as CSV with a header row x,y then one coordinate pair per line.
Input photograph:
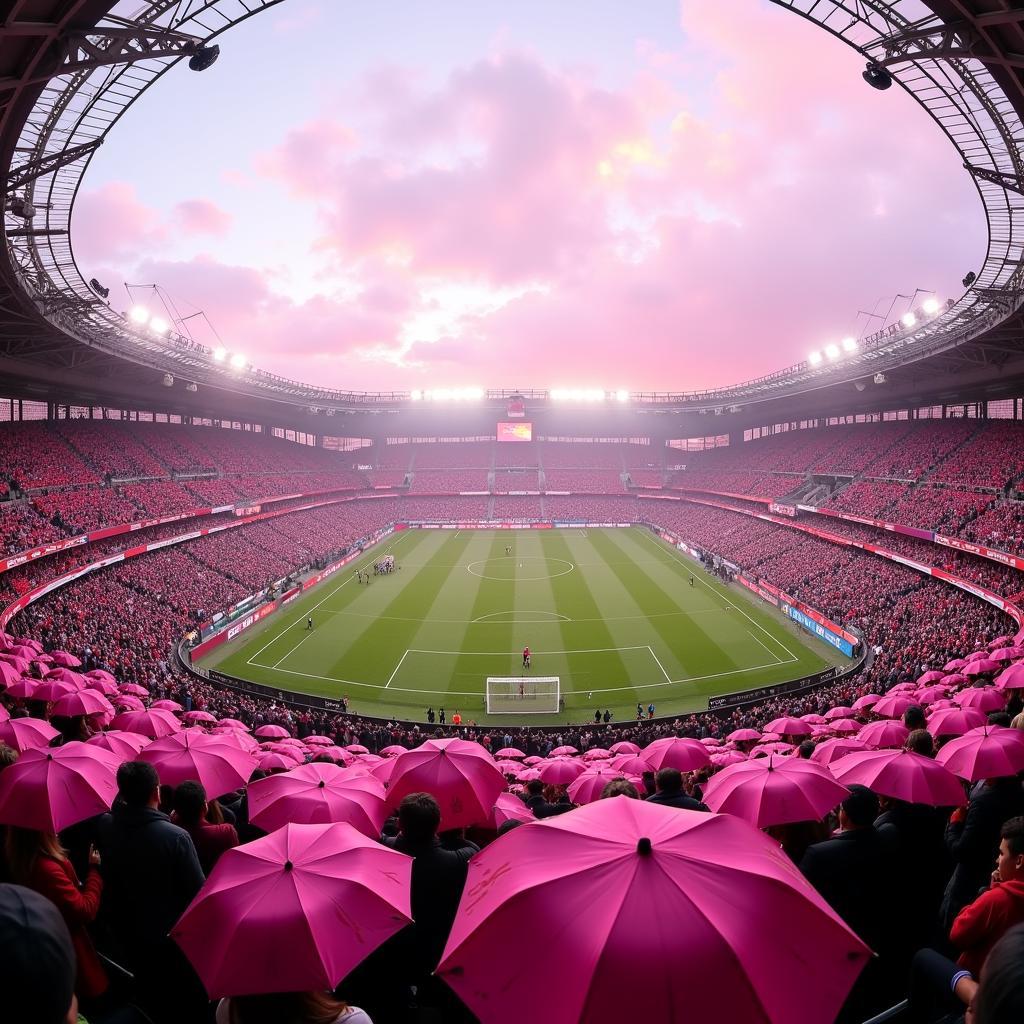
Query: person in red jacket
x,y
38,861
190,813
980,925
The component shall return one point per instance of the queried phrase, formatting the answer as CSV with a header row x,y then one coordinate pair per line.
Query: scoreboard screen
x,y
520,431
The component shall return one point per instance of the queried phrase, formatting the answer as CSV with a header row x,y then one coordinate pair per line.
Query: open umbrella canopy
x,y
892,707
68,676
65,659
930,677
508,807
133,690
774,791
198,718
154,724
461,776
272,732
955,665
563,751
319,792
901,775
232,723
672,752
788,727
982,698
50,789
986,752
12,666
126,745
597,754
841,711
105,686
54,689
101,675
723,758
23,688
26,733
83,702
624,747
587,788
955,721
744,736
167,705
510,752
1008,654
982,667
218,765
884,734
869,700
270,761
561,772
1011,678
831,750
845,726
688,902
294,911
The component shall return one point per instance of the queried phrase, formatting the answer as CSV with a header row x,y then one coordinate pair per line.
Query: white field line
x,y
397,667
763,644
584,650
735,607
662,667
306,614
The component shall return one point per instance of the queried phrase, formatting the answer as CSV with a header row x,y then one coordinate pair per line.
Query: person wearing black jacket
x,y
670,792
151,873
972,840
539,804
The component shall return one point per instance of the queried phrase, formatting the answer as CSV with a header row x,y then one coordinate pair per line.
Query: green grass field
x,y
610,612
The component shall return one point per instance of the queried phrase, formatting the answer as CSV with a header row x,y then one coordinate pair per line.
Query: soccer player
x,y
456,719
309,622
691,581
526,657
639,712
650,710
522,689
508,549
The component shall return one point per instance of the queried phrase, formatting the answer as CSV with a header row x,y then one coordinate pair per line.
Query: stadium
x,y
322,703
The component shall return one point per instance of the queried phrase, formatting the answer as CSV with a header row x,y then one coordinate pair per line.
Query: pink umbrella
x,y
955,665
774,791
53,690
528,775
831,750
1011,678
624,747
219,766
955,721
126,702
22,651
296,754
999,641
588,787
126,745
710,741
510,752
532,760
65,659
813,719
509,807
321,741
846,726
631,764
988,752
930,677
8,674
26,733
167,705
1008,654
976,656
358,748
563,751
892,707
292,741
18,664
107,687
930,694
294,911
839,712
766,749
198,718
789,727
685,754
101,675
460,775
24,689
339,754
508,767
315,793
233,723
884,734
983,698
869,700
904,687
982,667
687,899
954,679
154,724
51,789
597,754
744,736
727,757
133,690
270,761
901,775
84,702
272,732
561,772
67,676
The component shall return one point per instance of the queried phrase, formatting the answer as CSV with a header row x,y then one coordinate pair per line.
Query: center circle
x,y
518,568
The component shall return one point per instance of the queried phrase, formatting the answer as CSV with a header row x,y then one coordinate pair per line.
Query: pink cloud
x,y
200,217
111,223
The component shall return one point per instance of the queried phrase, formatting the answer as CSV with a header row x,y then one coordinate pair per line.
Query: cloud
x,y
200,217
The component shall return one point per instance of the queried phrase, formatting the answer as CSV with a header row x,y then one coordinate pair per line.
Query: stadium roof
x,y
68,71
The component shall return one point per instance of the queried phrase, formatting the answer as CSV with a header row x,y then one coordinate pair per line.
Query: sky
x,y
658,196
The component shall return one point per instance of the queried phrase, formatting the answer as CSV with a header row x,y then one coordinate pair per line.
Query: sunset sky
x,y
657,195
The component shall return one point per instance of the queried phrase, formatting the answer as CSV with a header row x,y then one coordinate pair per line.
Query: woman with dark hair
x,y
37,861
289,1008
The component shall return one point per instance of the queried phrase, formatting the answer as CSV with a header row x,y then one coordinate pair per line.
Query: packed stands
x,y
115,450
80,511
758,485
32,456
586,481
513,507
993,458
524,480
448,481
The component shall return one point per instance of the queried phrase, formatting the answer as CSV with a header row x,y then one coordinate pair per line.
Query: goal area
x,y
514,695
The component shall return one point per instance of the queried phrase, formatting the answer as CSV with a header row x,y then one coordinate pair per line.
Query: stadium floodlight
x,y
577,394
880,378
204,57
416,395
168,380
850,344
159,326
930,306
453,394
814,358
220,354
908,319
876,76
238,361
969,278
832,351
621,395
139,315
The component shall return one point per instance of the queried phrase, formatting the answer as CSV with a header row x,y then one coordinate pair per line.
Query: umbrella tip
x,y
288,865
643,846
321,784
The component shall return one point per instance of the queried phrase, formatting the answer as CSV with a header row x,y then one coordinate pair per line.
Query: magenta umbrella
x,y
101,675
684,754
976,656
631,764
954,721
198,718
954,679
930,694
508,807
982,667
126,745
624,747
105,686
955,665
687,901
8,674
884,734
358,748
1008,654
588,787
726,757
532,760
316,793
788,727
13,662
233,723
65,659
929,677
294,911
831,750
846,726
167,705
67,676
51,789
219,766
154,724
869,700
528,775
126,702
901,775
133,690
839,712
982,698
813,719
563,751
460,774
597,754
272,732
53,690
774,791
84,702
322,741
23,689
766,749
26,733
892,707
744,736
22,650
510,752
988,752
270,761
1011,678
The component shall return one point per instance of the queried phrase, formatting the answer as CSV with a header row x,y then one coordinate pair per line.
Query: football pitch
x,y
611,612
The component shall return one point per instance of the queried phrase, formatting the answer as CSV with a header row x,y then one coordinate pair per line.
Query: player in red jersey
x,y
526,657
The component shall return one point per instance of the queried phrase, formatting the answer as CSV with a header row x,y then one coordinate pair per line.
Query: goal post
x,y
515,695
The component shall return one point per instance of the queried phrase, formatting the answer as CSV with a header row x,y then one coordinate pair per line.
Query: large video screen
x,y
515,431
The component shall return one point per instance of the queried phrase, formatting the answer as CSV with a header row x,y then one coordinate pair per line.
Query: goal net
x,y
511,695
